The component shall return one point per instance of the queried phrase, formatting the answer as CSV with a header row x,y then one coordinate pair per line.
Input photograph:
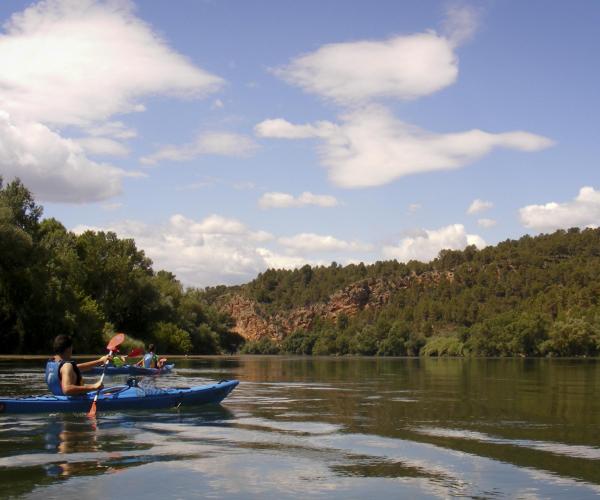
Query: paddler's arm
x,y
88,365
69,382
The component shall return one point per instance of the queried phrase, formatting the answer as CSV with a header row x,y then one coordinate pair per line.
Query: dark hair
x,y
150,347
62,343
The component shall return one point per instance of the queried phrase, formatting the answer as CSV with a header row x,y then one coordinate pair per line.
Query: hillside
x,y
529,297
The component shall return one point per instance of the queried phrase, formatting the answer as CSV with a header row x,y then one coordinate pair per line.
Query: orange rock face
x,y
251,324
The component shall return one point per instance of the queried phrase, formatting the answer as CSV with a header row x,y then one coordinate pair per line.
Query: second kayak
x,y
130,370
122,397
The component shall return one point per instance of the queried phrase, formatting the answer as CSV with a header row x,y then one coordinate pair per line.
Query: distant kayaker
x,y
63,375
150,359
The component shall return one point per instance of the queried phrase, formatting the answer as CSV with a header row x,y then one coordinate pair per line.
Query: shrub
x,y
443,346
572,337
262,346
171,339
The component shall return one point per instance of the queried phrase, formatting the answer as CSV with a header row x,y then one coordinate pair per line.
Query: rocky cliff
x,y
253,324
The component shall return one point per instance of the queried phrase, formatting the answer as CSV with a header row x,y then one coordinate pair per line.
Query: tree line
x,y
536,296
91,285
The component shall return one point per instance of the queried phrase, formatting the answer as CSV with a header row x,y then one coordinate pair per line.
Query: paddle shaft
x,y
101,380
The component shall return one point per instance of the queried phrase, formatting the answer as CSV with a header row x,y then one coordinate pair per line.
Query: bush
x,y
171,339
365,342
572,337
325,345
299,342
443,346
262,346
415,342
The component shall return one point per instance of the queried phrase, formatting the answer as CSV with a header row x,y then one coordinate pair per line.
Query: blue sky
x,y
227,137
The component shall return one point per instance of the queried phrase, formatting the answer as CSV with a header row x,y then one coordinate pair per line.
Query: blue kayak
x,y
123,397
129,370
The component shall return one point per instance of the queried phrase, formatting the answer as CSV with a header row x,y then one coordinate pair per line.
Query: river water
x,y
323,428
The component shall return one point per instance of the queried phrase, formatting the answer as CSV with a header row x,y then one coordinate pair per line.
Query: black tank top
x,y
75,367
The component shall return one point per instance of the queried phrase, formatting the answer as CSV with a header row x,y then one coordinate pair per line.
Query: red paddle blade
x,y
138,351
92,412
116,341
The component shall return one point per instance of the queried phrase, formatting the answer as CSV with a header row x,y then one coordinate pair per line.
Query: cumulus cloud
x,y
478,206
102,146
486,223
426,245
370,147
74,64
207,143
311,242
414,207
285,200
583,211
402,67
54,168
211,251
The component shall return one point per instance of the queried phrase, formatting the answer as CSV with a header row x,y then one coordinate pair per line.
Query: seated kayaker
x,y
63,375
150,359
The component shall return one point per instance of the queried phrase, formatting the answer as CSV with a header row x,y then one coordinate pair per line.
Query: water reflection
x,y
328,428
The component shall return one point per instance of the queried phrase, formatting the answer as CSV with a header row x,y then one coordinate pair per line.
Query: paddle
x,y
115,342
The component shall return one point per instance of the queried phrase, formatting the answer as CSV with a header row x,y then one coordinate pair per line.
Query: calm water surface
x,y
323,428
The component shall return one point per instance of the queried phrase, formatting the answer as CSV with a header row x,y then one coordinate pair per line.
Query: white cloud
x,y
461,23
285,200
478,206
414,207
370,147
102,146
426,245
487,223
278,128
214,250
310,242
75,62
114,130
52,167
403,67
207,143
583,211
278,261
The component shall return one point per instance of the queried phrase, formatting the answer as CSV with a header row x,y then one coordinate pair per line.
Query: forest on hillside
x,y
90,286
536,296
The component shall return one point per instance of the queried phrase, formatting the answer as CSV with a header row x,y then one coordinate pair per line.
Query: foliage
x,y
263,346
90,285
528,297
443,346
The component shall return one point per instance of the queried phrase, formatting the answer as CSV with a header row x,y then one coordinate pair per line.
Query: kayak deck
x,y
121,398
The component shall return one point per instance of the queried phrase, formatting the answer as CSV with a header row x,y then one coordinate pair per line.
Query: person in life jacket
x,y
150,359
63,375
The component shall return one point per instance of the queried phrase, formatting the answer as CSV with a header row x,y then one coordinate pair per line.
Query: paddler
x,y
63,375
150,359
